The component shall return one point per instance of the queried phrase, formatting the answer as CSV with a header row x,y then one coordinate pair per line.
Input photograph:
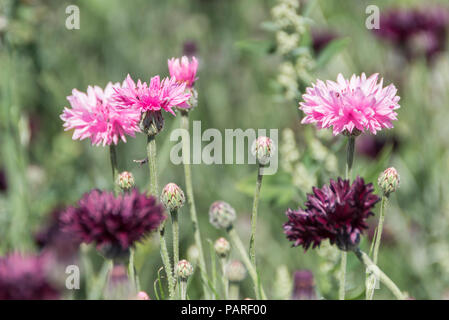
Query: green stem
x,y
344,255
166,262
363,257
224,280
252,242
183,289
191,201
234,291
151,152
101,280
237,243
114,166
132,271
175,230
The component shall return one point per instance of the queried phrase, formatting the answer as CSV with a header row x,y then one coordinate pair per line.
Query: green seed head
x,y
125,180
184,269
173,197
389,181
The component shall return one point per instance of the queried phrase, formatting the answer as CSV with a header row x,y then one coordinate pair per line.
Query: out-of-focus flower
x,y
283,283
183,70
222,247
337,212
189,48
94,115
304,286
320,39
263,149
156,96
119,286
388,236
235,271
416,32
351,106
370,146
114,224
173,197
193,254
221,214
184,269
3,181
142,295
26,278
125,180
388,181
51,240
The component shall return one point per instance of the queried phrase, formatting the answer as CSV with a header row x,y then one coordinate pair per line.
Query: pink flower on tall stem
x,y
184,70
349,106
165,94
94,115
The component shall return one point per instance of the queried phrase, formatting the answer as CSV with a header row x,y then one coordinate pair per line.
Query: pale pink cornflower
x,y
95,115
165,94
358,103
183,70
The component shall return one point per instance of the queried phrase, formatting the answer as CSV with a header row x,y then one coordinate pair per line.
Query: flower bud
x,y
173,197
184,269
193,254
221,214
125,180
152,123
263,149
389,181
235,271
222,247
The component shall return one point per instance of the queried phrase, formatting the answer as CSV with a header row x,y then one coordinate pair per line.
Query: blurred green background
x,y
41,61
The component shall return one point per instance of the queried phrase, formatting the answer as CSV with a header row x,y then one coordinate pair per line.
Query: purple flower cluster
x,y
416,32
114,224
25,278
337,212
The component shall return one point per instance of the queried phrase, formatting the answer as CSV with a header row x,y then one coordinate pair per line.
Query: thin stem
x,y
260,293
114,167
101,280
175,230
252,242
166,262
132,271
363,257
151,151
191,201
234,291
224,280
183,289
344,255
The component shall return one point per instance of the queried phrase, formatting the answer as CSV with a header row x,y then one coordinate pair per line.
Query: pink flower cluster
x,y
359,103
106,116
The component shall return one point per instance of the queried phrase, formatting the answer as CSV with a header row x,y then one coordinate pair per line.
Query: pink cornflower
x,y
358,103
183,70
165,94
94,115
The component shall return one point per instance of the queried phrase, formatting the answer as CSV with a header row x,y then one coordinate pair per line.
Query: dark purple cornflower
x,y
114,224
337,212
3,182
26,278
52,240
320,39
304,286
416,32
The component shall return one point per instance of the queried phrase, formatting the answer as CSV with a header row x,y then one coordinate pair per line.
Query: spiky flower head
x,y
184,70
337,212
304,286
235,271
114,224
173,197
222,247
96,116
263,149
26,277
221,215
388,181
125,180
351,106
184,269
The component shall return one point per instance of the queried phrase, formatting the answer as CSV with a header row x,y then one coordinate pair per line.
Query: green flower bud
x,y
263,149
172,197
221,214
235,271
388,181
125,180
222,247
184,269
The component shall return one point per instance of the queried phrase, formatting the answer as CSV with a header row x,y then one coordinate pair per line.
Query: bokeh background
x,y
251,76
